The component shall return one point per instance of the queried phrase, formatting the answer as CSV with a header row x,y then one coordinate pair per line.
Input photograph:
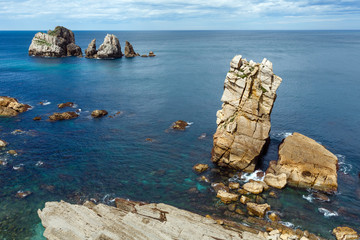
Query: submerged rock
x,y
99,113
59,42
37,118
345,233
244,120
110,48
200,167
306,163
179,125
134,220
64,105
12,152
129,50
10,107
63,116
21,194
91,51
3,143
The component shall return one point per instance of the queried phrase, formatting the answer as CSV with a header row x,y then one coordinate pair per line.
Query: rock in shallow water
x,y
99,113
63,116
59,42
244,120
258,210
3,143
306,163
345,233
227,197
179,125
10,107
200,167
132,220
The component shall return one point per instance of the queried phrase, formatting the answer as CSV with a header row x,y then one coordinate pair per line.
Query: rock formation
x,y
64,105
179,125
345,233
91,51
244,120
99,113
57,43
63,116
3,143
110,48
129,50
10,107
276,181
200,167
133,220
306,164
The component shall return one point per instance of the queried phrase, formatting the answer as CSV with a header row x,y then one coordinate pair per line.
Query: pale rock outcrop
x,y
345,233
306,163
63,116
99,113
244,120
3,143
276,181
129,50
110,48
59,42
132,220
10,107
227,197
258,210
254,187
91,51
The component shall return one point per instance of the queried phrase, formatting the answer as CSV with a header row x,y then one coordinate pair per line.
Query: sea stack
x,y
59,42
243,123
129,50
91,51
110,48
306,163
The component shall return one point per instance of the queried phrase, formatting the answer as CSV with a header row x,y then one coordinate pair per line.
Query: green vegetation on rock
x,y
42,42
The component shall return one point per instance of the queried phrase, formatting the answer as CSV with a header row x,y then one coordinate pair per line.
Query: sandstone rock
x,y
226,197
151,54
37,118
110,48
244,199
3,143
219,186
345,233
59,42
63,116
91,51
10,107
201,167
99,113
257,209
244,120
306,164
12,152
254,187
274,217
232,207
64,105
129,50
276,181
132,220
179,125
234,185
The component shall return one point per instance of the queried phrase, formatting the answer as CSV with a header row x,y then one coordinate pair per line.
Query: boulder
x,y
274,217
64,105
10,107
200,167
133,220
99,113
37,118
110,48
244,199
12,152
306,163
151,54
345,233
3,143
276,181
21,194
59,42
243,123
179,125
63,116
91,51
227,197
258,210
219,186
254,187
144,55
234,185
129,50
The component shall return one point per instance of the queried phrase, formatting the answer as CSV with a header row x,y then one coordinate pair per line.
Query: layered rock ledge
x,y
306,163
244,120
134,220
10,107
59,42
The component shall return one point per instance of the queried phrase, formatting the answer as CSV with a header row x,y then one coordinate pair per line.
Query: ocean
x,y
101,159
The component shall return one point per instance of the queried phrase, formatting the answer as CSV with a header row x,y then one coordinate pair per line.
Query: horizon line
x,y
31,30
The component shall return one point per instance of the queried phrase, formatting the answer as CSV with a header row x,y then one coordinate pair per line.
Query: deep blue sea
x,y
105,158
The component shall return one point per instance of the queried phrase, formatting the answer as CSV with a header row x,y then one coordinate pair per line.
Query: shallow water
x,y
106,158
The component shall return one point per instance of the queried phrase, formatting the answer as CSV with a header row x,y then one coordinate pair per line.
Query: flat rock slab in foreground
x,y
131,220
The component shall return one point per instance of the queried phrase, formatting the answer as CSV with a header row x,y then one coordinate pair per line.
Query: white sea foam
x,y
39,163
246,177
46,102
287,224
18,167
189,124
17,132
343,166
202,136
328,213
309,197
280,135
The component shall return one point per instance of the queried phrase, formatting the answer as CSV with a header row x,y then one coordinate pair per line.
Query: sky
x,y
180,14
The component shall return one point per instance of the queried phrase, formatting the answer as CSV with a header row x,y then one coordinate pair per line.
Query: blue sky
x,y
180,14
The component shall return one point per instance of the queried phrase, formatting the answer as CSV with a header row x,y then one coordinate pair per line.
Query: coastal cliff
x,y
243,123
59,42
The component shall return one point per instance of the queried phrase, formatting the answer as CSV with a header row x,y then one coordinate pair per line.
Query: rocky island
x,y
10,107
59,42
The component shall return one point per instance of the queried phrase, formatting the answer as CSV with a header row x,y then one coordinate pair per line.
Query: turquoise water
x,y
109,157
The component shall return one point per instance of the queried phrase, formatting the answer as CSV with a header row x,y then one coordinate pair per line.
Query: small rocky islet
x,y
60,42
241,136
